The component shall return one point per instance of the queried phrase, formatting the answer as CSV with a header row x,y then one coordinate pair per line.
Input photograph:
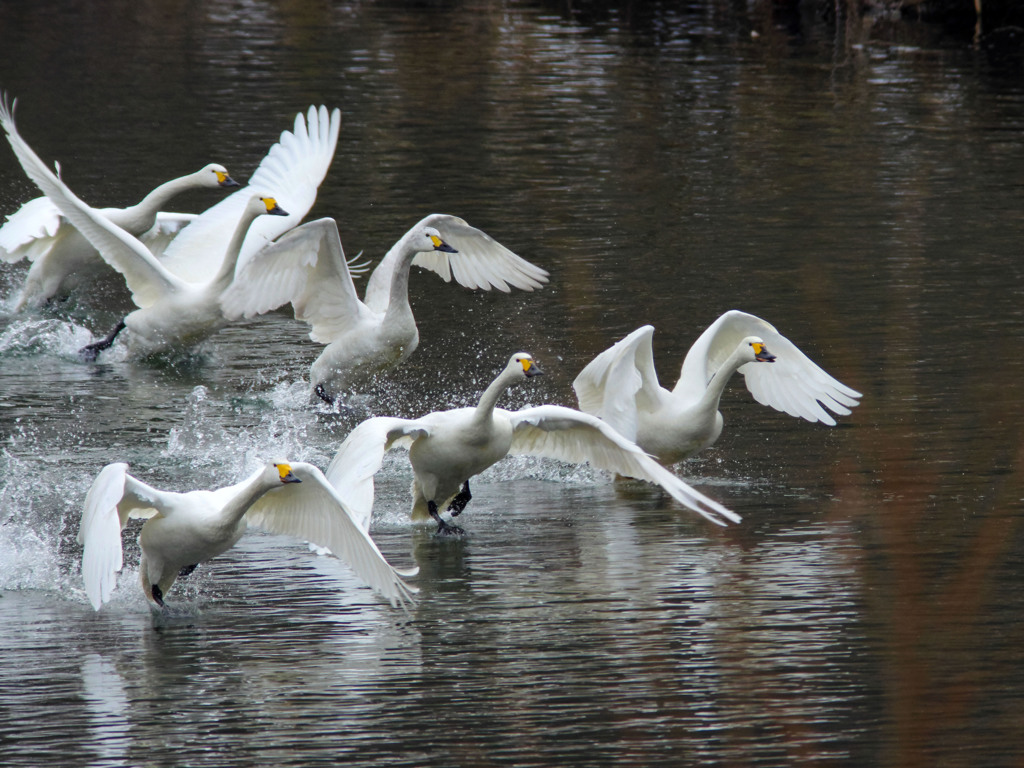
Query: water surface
x,y
858,187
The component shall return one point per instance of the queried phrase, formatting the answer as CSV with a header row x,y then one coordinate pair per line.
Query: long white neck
x,y
387,290
227,268
154,202
713,392
489,399
248,494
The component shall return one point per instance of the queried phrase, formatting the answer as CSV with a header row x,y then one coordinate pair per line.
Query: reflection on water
x,y
859,188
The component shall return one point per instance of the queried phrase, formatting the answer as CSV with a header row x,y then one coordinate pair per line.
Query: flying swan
x,y
447,448
621,386
185,529
307,268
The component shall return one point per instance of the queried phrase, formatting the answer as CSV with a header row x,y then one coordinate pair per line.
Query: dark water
x,y
858,185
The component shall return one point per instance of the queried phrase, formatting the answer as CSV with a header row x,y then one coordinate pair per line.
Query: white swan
x,y
447,448
185,529
63,259
307,268
293,168
621,386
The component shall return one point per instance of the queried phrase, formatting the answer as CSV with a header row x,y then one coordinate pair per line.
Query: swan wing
x,y
306,268
29,232
360,456
793,383
166,227
113,497
556,432
620,382
314,511
146,278
293,170
481,261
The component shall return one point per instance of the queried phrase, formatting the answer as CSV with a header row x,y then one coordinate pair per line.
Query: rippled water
x,y
858,188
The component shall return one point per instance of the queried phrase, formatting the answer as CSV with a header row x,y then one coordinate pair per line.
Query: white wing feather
x,y
620,382
292,171
314,511
568,435
113,497
481,262
360,456
30,231
793,383
307,268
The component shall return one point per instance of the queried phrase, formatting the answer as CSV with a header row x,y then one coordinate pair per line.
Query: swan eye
x,y
283,470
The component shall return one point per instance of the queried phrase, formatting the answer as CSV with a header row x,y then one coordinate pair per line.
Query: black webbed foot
x,y
443,528
461,500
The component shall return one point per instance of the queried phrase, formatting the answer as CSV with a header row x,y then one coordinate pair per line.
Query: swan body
x,y
307,268
185,529
447,448
293,168
621,385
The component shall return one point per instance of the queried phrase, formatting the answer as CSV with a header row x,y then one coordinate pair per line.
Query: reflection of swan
x,y
621,386
60,254
307,268
185,529
292,170
447,448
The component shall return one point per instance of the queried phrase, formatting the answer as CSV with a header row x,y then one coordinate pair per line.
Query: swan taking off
x,y
621,386
293,169
447,448
307,268
62,258
185,529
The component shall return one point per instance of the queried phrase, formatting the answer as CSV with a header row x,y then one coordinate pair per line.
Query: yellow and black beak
x,y
530,368
761,353
225,181
273,208
285,471
441,245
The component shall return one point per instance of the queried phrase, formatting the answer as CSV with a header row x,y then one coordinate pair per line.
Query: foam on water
x,y
44,335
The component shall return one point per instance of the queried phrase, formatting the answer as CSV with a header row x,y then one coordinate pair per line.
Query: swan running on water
x,y
621,386
183,530
307,268
447,448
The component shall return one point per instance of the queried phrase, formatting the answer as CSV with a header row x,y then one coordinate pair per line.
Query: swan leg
x,y
322,394
443,528
461,500
158,596
90,351
187,570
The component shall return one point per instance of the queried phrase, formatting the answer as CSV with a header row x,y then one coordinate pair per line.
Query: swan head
x,y
266,205
281,472
435,242
216,175
522,365
756,351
